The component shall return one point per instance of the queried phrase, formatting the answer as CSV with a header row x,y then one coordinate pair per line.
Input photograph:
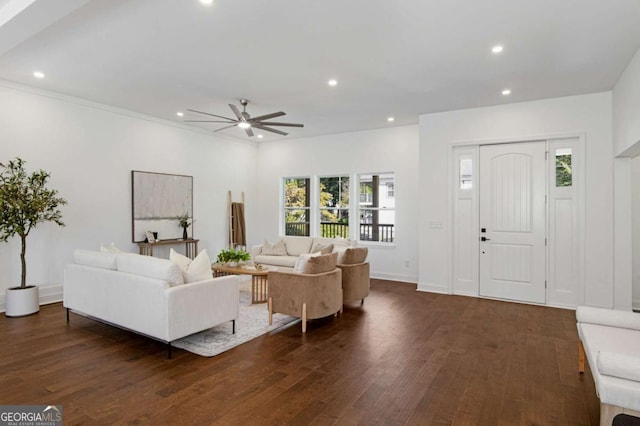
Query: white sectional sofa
x,y
610,339
147,295
295,246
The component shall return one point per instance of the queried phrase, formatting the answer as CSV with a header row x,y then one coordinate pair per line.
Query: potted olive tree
x,y
25,201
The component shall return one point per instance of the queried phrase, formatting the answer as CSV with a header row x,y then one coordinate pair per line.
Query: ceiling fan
x,y
245,121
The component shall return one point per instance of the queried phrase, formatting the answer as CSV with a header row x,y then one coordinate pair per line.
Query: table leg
x,y
258,289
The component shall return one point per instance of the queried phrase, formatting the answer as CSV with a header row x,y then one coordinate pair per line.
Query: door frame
x,y
452,178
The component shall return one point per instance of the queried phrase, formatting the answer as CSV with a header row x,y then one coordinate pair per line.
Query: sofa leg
x,y
362,302
168,350
233,326
580,357
67,315
270,303
304,317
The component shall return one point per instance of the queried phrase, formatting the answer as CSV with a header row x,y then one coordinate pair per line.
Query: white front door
x,y
513,221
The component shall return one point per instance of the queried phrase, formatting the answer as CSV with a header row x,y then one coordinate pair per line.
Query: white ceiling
x,y
391,58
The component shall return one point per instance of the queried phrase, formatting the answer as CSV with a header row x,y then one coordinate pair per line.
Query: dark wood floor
x,y
404,358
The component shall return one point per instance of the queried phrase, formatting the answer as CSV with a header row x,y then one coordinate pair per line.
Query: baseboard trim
x,y
394,277
466,293
50,294
433,288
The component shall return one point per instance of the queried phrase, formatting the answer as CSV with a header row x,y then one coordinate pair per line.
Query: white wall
x,y
90,150
635,188
626,144
386,150
626,107
587,114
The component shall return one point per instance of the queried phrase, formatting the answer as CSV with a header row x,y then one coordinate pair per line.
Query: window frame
x,y
308,207
358,210
319,208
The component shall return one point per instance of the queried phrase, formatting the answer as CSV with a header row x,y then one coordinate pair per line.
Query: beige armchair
x,y
355,274
307,295
355,282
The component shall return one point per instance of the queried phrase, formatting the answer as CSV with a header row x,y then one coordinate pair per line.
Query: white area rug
x,y
252,322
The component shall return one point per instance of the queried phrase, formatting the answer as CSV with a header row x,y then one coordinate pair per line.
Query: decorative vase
x,y
21,301
233,264
185,235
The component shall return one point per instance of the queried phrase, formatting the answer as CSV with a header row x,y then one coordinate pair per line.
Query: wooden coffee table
x,y
258,279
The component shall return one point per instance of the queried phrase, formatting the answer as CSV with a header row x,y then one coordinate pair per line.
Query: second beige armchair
x,y
355,274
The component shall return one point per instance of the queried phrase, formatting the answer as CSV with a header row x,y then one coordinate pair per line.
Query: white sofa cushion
x,y
623,341
610,317
95,259
287,261
297,245
619,365
198,269
152,267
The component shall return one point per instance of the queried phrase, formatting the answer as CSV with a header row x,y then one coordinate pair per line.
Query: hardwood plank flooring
x,y
405,357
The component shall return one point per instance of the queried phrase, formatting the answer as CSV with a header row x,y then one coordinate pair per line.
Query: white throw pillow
x,y
110,249
277,249
322,248
198,269
303,259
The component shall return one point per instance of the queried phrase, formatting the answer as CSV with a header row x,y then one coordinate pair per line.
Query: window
x,y
390,190
296,206
466,173
563,167
334,206
376,214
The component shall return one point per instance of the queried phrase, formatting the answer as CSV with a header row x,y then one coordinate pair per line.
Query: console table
x,y
190,244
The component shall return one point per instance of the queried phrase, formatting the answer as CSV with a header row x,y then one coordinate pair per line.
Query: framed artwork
x,y
157,201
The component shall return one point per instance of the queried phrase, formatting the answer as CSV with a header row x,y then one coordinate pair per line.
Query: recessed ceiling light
x,y
497,49
38,74
206,2
390,119
244,125
180,114
332,82
506,92
259,136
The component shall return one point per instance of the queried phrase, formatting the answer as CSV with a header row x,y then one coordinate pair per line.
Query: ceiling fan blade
x,y
268,116
273,123
225,127
208,121
213,115
236,111
249,131
269,129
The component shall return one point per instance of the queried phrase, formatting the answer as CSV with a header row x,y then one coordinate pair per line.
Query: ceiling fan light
x,y
244,125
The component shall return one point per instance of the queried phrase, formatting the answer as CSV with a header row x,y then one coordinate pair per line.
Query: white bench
x,y
610,339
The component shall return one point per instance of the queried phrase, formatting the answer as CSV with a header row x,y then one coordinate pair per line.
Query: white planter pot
x,y
19,301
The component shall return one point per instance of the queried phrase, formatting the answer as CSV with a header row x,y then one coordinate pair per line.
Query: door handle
x,y
485,239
